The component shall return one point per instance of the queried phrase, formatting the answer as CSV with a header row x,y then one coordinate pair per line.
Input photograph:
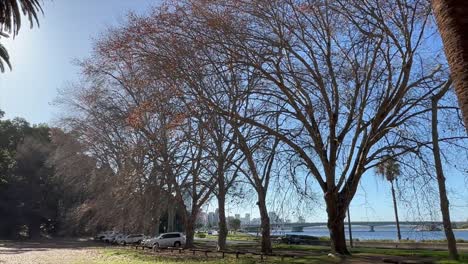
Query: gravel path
x,y
48,252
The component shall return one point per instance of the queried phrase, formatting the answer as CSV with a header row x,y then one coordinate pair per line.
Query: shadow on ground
x,y
23,246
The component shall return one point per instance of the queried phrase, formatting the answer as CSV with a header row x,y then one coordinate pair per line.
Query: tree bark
x,y
350,230
170,218
336,215
223,231
265,224
451,17
444,202
395,209
157,223
189,223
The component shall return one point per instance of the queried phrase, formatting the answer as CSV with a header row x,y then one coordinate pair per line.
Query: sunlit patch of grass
x,y
236,237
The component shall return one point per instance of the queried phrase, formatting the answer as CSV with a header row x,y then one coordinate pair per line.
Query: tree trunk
x,y
170,218
451,17
223,231
350,230
157,222
265,224
189,231
335,224
444,202
395,208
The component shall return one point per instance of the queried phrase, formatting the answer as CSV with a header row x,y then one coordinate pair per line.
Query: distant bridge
x,y
299,227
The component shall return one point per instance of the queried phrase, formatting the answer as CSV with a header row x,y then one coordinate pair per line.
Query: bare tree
x,y
342,78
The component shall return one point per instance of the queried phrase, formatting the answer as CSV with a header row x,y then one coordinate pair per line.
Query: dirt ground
x,y
47,252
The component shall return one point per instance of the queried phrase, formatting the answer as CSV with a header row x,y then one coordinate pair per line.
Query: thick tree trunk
x,y
336,215
395,208
265,224
451,17
444,202
223,231
189,231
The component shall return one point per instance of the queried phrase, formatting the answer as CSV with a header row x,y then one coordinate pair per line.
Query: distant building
x,y
246,220
255,221
202,219
301,219
216,216
212,222
237,216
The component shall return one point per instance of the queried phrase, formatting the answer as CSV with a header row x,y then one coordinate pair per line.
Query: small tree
x,y
390,170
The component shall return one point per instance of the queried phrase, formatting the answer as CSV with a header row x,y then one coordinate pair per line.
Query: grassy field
x,y
232,237
436,255
305,254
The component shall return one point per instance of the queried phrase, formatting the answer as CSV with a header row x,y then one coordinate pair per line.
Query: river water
x,y
380,233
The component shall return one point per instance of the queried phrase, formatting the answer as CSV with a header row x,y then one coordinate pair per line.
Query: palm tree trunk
x,y
451,19
395,208
444,202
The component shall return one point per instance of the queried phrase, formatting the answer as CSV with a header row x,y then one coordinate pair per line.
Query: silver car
x,y
132,239
174,239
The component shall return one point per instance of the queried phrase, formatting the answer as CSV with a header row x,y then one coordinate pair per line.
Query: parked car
x,y
212,232
298,239
118,239
133,239
102,235
109,237
147,242
173,239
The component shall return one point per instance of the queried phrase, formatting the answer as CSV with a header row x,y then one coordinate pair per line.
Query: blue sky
x,y
42,57
42,64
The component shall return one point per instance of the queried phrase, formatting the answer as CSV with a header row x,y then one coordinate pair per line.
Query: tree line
x,y
207,94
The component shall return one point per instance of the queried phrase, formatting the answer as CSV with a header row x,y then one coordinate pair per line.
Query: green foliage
x,y
29,194
234,224
4,57
201,235
389,168
10,21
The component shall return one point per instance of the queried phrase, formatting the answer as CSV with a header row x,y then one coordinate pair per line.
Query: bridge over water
x,y
299,227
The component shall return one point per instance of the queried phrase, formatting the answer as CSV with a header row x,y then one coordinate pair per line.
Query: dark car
x,y
298,239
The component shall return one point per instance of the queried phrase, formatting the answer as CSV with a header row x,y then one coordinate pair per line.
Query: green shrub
x,y
201,235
